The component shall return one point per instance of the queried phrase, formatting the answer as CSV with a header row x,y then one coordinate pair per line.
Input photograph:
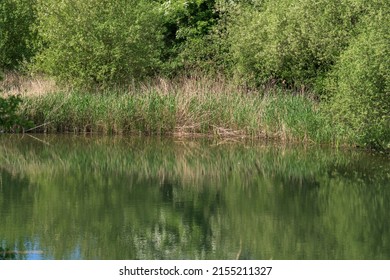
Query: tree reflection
x,y
110,198
7,254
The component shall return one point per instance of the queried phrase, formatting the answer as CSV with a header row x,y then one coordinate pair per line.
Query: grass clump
x,y
176,110
295,117
101,113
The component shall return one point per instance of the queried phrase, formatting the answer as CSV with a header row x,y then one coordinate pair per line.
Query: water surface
x,y
76,197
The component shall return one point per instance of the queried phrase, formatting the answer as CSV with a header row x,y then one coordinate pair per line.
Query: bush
x,y
9,117
360,84
99,42
190,39
16,34
290,41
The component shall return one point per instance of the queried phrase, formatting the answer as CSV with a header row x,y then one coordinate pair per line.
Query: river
x,y
99,198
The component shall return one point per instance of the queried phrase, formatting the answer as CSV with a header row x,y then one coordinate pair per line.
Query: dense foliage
x,y
187,29
338,51
287,41
9,116
98,42
359,84
17,36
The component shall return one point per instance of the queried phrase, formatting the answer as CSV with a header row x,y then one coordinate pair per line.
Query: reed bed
x,y
232,115
184,107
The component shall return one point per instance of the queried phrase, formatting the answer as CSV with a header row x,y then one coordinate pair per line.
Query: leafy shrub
x,y
16,34
360,84
290,41
189,35
9,116
99,42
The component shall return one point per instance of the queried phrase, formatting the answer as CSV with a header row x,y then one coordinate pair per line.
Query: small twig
x,y
22,252
38,126
52,111
44,142
239,252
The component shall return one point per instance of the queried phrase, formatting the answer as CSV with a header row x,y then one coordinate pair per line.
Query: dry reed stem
x,y
195,85
14,84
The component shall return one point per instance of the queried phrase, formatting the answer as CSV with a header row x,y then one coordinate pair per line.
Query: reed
x,y
191,106
16,83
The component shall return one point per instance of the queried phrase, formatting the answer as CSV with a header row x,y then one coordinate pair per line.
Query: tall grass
x,y
185,107
15,83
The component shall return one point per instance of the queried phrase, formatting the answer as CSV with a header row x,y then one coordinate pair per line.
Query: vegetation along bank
x,y
293,70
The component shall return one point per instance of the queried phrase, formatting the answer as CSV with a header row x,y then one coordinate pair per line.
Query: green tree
x,y
188,36
290,41
360,84
16,34
99,42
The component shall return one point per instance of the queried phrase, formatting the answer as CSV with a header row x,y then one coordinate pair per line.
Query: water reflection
x,y
124,198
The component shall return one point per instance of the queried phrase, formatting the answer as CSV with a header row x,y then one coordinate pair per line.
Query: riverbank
x,y
182,107
244,63
155,110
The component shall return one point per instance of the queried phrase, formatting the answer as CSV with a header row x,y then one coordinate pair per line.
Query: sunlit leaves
x,y
98,42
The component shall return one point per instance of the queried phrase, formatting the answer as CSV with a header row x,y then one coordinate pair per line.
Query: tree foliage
x,y
98,41
16,34
291,41
359,85
189,36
